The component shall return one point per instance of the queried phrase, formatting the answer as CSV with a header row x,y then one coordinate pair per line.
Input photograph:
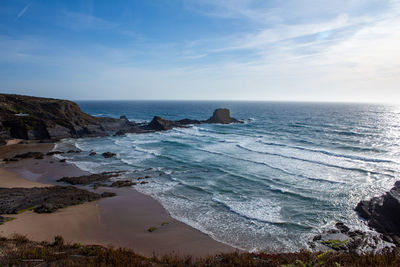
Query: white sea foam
x,y
88,166
271,182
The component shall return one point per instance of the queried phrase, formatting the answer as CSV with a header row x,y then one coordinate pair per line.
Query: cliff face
x,y
27,117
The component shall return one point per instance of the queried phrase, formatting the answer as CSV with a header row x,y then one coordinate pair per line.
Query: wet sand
x,y
120,221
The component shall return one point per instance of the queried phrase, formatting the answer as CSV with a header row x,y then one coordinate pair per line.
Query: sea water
x,y
288,172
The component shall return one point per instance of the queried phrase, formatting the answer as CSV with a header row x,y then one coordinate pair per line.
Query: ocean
x,y
290,171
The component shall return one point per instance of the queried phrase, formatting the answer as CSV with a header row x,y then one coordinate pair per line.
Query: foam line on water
x,y
328,153
311,161
269,166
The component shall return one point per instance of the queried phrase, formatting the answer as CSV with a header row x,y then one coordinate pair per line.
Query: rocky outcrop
x,y
221,115
343,239
108,155
28,155
383,213
160,124
42,200
89,179
26,117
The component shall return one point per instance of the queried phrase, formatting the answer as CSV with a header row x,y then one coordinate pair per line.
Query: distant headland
x,y
37,118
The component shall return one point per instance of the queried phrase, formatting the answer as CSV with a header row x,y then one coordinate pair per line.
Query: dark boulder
x,y
36,155
123,183
120,133
43,199
51,153
160,124
188,121
88,179
383,213
221,115
108,155
93,153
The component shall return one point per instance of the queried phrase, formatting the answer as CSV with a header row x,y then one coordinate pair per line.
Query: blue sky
x,y
298,50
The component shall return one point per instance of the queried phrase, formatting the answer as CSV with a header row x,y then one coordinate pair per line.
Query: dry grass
x,y
19,251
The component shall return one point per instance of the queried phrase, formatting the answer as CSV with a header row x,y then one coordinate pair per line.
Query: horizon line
x,y
246,100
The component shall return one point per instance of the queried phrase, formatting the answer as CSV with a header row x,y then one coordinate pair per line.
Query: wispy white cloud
x,y
22,12
342,56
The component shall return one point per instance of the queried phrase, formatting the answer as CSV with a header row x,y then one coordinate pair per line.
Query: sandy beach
x,y
120,221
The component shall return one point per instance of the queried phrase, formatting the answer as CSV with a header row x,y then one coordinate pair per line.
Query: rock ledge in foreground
x,y
383,213
43,199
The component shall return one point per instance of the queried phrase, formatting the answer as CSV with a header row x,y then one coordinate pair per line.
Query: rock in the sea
x,y
342,227
160,124
93,153
73,151
120,133
188,121
221,115
108,155
383,213
51,153
123,183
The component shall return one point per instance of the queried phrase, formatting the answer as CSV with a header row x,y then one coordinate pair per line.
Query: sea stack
x,y
221,115
161,124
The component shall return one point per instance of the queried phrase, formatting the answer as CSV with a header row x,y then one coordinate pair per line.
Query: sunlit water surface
x,y
288,172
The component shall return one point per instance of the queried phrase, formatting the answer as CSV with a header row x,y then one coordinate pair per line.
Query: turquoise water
x,y
288,172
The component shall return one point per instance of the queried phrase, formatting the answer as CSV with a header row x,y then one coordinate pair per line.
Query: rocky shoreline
x,y
35,118
44,199
382,214
51,119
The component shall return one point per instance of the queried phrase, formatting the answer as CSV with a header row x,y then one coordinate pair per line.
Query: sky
x,y
293,50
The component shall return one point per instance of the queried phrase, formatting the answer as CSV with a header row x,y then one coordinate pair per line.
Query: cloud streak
x,y
22,12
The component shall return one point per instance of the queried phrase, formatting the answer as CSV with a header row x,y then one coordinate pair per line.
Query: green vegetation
x,y
335,244
27,209
19,251
164,223
152,229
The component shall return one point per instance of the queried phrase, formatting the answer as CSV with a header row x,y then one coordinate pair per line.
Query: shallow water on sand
x,y
291,170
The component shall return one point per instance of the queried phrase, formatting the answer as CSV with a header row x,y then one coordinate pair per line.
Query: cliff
x,y
27,117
